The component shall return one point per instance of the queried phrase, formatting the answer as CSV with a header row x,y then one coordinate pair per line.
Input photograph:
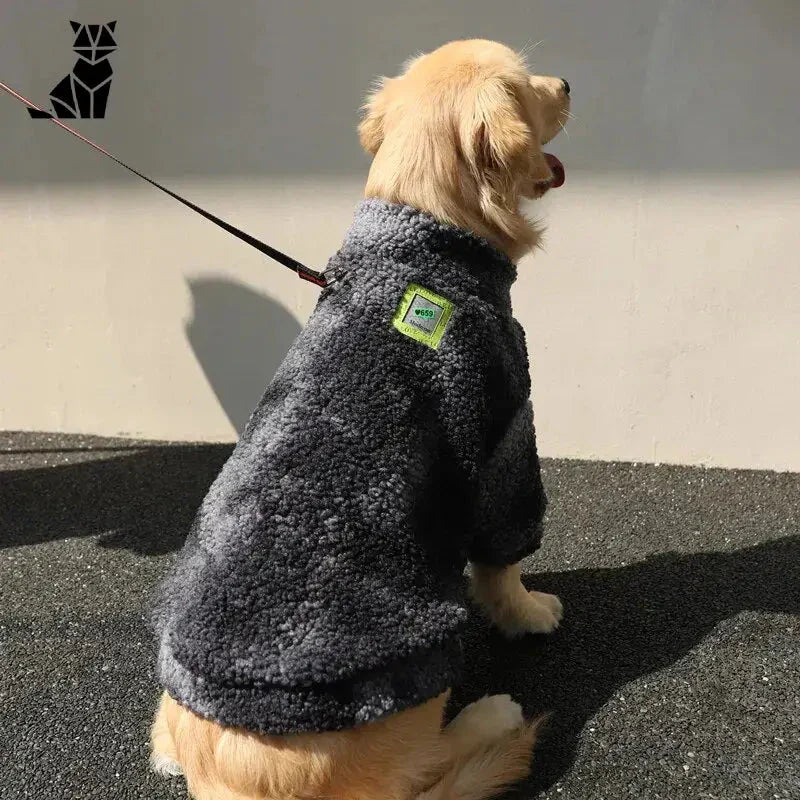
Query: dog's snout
x,y
565,85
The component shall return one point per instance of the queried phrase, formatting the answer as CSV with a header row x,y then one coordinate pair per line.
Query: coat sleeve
x,y
511,500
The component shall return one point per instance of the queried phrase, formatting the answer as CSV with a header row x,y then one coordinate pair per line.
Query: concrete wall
x,y
663,318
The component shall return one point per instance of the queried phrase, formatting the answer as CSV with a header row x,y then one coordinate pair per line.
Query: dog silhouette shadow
x,y
239,337
143,496
620,624
84,92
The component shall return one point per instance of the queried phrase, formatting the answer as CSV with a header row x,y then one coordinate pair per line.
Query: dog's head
x,y
459,133
93,43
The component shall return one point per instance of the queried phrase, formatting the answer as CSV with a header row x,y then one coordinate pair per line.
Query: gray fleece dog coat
x,y
321,585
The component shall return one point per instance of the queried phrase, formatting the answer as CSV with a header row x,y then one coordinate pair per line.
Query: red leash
x,y
318,278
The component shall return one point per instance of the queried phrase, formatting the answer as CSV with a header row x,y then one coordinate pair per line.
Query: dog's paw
x,y
530,612
164,765
487,719
552,602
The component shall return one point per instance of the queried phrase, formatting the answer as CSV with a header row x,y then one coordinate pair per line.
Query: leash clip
x,y
323,279
331,275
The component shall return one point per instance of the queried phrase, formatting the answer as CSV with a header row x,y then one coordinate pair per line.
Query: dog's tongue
x,y
557,168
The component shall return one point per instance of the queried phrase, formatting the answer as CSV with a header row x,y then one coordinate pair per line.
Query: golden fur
x,y
459,135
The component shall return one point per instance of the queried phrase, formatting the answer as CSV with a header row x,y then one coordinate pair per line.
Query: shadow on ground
x,y
143,501
621,624
655,614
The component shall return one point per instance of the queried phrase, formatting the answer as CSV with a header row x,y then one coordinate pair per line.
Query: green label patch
x,y
423,315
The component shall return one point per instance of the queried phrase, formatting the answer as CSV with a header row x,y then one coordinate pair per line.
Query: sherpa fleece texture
x,y
321,585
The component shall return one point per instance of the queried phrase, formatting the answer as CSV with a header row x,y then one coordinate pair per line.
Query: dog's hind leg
x,y
490,746
483,721
163,754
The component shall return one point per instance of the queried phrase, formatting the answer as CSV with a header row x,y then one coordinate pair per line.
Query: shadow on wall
x,y
240,337
674,86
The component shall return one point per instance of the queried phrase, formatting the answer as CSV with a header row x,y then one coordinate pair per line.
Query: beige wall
x,y
663,319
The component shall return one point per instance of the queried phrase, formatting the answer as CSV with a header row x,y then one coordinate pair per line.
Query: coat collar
x,y
394,235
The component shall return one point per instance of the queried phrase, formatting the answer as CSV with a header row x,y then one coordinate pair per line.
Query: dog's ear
x,y
370,129
112,25
76,26
496,141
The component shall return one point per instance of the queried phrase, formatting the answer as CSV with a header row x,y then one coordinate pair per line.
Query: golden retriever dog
x,y
459,135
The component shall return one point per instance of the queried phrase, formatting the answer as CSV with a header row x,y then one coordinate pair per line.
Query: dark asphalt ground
x,y
675,675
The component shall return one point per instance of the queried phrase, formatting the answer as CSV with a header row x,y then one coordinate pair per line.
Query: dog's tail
x,y
486,772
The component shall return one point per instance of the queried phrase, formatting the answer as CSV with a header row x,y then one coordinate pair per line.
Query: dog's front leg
x,y
509,605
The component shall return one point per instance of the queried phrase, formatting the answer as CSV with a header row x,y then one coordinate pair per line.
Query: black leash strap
x,y
311,275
